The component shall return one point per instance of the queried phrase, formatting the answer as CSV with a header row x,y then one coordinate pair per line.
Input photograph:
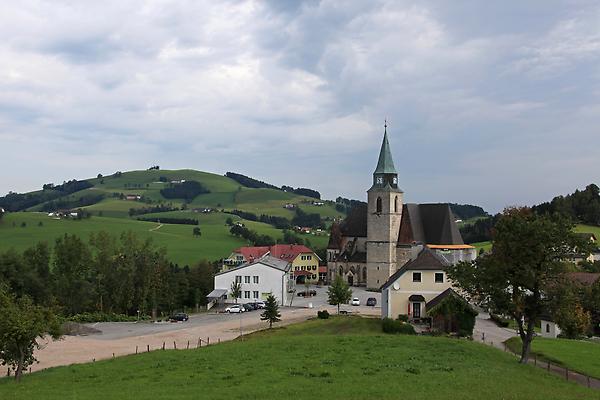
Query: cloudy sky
x,y
489,103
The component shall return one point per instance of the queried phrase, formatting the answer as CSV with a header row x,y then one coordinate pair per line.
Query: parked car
x,y
308,293
372,301
355,301
235,308
248,307
179,317
260,304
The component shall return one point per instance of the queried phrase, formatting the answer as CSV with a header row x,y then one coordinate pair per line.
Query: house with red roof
x,y
305,263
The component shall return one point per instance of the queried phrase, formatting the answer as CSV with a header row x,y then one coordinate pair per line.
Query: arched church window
x,y
396,204
379,205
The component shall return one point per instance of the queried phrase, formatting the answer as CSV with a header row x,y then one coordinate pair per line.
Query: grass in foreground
x,y
340,358
577,355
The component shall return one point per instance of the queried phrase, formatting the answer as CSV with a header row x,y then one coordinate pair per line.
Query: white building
x,y
549,328
259,278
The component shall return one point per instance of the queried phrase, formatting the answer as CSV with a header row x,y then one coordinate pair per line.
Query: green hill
x,y
339,358
105,199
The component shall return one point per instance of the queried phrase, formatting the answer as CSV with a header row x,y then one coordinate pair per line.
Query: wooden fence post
x,y
199,342
188,345
219,340
588,381
548,365
535,359
174,345
163,346
207,341
148,348
567,373
136,349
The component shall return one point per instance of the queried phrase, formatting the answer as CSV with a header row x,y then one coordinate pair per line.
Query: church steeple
x,y
385,175
385,164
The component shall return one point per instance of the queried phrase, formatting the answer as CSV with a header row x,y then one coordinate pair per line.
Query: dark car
x,y
248,307
307,293
179,317
372,301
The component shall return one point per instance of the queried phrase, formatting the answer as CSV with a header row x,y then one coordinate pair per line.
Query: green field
x,y
112,215
341,358
577,355
182,247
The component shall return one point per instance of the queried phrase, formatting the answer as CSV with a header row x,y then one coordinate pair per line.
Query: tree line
x,y
106,274
248,182
582,206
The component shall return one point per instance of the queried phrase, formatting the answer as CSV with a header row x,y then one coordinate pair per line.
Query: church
x,y
385,238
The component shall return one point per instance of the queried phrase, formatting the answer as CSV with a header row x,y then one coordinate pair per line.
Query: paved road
x,y
118,330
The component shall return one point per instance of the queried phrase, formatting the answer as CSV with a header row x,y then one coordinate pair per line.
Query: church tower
x,y
383,218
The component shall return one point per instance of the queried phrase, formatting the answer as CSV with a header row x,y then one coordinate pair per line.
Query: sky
x,y
493,103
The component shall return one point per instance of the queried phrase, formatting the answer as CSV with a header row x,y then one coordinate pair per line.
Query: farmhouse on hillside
x,y
258,278
401,248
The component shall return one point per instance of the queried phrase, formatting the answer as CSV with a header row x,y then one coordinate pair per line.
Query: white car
x,y
355,301
236,308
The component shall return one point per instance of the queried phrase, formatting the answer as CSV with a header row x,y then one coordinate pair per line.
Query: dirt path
x,y
82,349
155,228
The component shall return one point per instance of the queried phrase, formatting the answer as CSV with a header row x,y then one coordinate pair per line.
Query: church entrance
x,y
350,279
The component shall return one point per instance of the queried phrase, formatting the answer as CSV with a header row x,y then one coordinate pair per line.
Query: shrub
x,y
403,317
323,314
500,321
103,317
395,326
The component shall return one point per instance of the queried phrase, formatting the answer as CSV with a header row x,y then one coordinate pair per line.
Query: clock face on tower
x,y
395,180
379,180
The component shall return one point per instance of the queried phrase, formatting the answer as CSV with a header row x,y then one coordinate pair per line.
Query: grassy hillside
x,y
182,247
341,358
577,355
112,214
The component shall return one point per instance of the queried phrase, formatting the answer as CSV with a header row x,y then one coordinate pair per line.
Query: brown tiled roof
x,y
585,278
335,237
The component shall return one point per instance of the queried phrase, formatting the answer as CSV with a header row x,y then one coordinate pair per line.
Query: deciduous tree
x,y
339,292
22,325
526,261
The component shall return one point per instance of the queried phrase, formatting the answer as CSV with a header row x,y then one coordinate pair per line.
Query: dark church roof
x,y
426,260
335,237
428,224
355,224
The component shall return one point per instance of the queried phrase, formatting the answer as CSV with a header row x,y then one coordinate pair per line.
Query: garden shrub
x,y
500,321
323,314
403,317
395,326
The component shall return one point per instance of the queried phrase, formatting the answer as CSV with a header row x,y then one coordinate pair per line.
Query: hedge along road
x,y
122,338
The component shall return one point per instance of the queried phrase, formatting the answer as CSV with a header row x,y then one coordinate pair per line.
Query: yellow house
x,y
305,262
409,290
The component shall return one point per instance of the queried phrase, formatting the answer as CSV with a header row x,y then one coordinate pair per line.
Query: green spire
x,y
385,165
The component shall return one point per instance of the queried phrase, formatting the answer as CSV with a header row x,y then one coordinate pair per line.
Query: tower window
x,y
396,204
379,205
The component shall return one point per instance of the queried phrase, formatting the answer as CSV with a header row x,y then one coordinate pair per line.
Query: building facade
x,y
258,279
377,238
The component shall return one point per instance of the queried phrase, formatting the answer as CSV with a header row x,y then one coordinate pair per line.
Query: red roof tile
x,y
288,252
252,253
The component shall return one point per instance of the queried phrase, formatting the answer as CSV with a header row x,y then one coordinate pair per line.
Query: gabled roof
x,y
335,237
266,260
429,224
385,164
440,297
427,260
289,252
355,224
252,253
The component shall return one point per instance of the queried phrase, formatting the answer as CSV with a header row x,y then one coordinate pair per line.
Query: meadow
x,y
340,358
577,355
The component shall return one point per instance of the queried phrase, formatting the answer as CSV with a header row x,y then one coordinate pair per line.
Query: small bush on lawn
x,y
395,326
323,314
403,317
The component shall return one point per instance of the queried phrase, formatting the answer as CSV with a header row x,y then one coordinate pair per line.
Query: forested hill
x,y
582,205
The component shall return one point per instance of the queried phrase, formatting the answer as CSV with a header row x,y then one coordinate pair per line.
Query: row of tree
x,y
248,182
107,274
